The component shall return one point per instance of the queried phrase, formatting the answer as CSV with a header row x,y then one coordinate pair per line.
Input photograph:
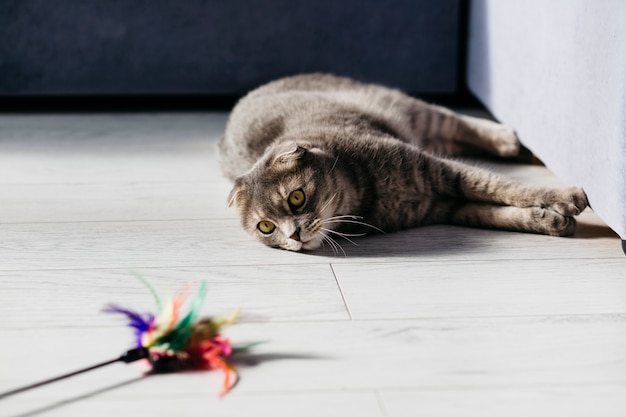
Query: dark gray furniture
x,y
102,47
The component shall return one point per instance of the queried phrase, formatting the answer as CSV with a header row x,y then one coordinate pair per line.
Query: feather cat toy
x,y
176,343
172,342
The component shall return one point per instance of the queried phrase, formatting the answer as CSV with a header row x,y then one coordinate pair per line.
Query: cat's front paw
x,y
570,202
505,141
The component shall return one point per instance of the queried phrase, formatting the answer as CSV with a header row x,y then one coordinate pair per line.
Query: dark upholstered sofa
x,y
104,47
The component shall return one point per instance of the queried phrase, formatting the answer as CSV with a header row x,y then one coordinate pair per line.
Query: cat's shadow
x,y
443,241
425,241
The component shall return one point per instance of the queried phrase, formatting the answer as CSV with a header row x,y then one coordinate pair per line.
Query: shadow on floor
x,y
425,241
240,360
72,400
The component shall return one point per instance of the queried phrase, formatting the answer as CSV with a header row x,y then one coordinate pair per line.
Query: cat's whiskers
x,y
334,245
344,235
345,216
317,226
350,219
330,200
334,165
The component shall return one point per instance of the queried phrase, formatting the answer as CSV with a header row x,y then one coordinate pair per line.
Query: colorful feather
x,y
178,342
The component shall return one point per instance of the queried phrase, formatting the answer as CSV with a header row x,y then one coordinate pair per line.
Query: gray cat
x,y
316,157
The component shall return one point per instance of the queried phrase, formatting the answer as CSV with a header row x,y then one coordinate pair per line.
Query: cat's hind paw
x,y
554,224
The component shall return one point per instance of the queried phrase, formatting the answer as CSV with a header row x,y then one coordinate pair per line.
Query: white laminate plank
x,y
87,148
123,201
39,168
343,355
40,299
223,242
340,404
110,133
541,401
484,288
135,245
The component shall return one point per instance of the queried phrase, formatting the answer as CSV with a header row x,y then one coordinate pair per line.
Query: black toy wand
x,y
129,356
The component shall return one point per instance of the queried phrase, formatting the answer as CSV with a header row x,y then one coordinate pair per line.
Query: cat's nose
x,y
296,235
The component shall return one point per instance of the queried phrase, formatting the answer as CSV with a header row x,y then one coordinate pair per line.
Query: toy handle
x,y
131,355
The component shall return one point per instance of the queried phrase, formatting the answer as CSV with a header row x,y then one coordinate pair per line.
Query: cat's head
x,y
287,199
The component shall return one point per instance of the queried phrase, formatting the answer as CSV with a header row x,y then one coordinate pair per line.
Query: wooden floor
x,y
438,321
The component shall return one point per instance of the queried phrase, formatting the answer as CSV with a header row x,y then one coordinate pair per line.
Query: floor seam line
x,y
343,296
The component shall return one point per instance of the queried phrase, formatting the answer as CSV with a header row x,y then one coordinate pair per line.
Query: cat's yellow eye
x,y
296,198
266,227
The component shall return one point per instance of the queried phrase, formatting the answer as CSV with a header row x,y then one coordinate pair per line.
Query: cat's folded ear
x,y
236,194
290,152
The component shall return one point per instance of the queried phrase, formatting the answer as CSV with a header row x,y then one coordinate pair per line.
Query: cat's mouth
x,y
297,246
310,244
